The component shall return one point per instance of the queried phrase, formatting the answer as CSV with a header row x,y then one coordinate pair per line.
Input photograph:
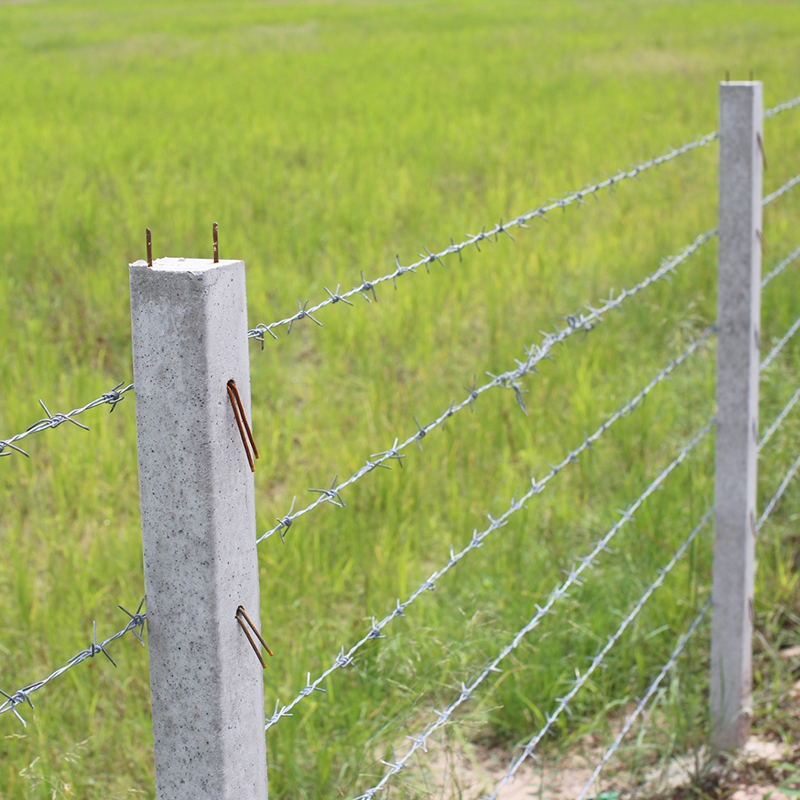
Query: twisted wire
x,y
780,345
781,267
584,321
517,503
787,479
642,704
779,419
54,420
420,742
773,112
367,287
597,661
22,696
788,186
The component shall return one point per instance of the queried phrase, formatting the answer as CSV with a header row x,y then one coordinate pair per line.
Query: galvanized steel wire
x,y
22,696
583,321
563,702
442,717
787,187
773,112
780,267
643,703
537,487
367,287
111,398
770,507
782,342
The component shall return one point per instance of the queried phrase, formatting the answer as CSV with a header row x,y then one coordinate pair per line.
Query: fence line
x,y
537,487
54,420
21,696
572,197
780,345
779,419
780,267
787,479
535,354
787,187
642,704
773,112
574,574
563,702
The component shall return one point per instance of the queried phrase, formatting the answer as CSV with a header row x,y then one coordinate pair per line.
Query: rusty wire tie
x,y
240,612
244,426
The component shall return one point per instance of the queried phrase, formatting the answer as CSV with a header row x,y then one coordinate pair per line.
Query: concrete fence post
x,y
189,319
739,321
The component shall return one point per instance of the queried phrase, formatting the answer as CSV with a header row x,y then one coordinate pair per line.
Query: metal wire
x,y
779,419
642,704
780,345
22,696
773,112
420,742
788,186
583,321
787,479
781,267
54,420
367,287
517,503
563,702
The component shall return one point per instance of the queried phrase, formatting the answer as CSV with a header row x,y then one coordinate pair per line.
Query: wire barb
x,y
135,625
111,398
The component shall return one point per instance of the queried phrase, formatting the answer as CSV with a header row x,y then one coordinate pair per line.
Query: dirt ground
x,y
768,768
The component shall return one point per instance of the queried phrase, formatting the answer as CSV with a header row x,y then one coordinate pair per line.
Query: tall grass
x,y
325,138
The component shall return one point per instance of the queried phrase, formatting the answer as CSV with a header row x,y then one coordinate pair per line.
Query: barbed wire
x,y
787,479
22,696
597,661
584,321
54,420
420,742
781,267
788,186
642,704
780,345
773,112
779,419
517,503
367,287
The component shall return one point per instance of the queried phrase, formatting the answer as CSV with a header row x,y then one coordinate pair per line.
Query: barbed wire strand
x,y
563,702
573,576
584,321
642,704
781,267
787,479
780,345
779,419
54,420
22,696
517,503
788,186
367,287
773,112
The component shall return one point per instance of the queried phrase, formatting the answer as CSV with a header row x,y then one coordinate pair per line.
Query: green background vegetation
x,y
325,138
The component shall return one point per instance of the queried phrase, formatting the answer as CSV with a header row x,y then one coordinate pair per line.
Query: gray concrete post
x,y
739,321
189,319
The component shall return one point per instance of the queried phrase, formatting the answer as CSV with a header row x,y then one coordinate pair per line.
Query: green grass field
x,y
325,138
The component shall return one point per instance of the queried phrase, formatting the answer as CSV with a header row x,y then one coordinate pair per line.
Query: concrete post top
x,y
740,83
193,265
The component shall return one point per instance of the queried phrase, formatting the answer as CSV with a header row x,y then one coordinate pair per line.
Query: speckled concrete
x,y
189,320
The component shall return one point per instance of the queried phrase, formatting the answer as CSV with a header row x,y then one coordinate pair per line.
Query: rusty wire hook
x,y
244,426
240,612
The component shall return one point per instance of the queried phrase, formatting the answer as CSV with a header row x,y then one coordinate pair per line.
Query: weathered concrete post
x,y
189,320
739,321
